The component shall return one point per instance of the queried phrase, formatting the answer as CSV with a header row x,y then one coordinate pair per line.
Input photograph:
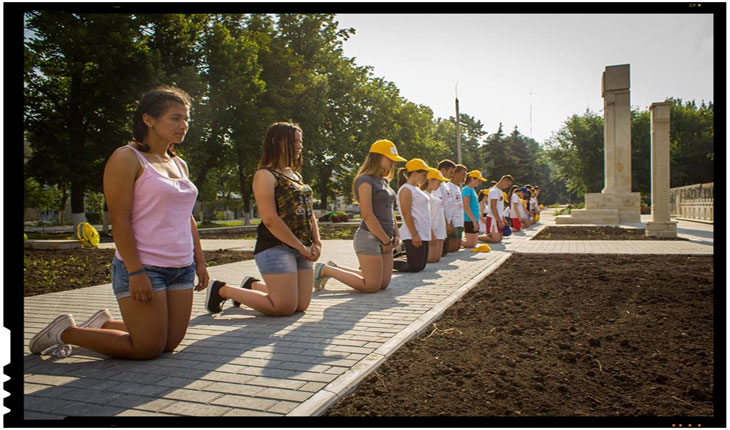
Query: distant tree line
x,y
83,74
576,150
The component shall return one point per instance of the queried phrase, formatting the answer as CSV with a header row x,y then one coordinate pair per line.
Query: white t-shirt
x,y
495,194
446,199
533,204
420,212
457,210
515,200
438,220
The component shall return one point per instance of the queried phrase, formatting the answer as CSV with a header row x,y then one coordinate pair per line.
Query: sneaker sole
x,y
43,332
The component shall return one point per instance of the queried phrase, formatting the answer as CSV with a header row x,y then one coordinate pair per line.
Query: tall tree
x,y
75,115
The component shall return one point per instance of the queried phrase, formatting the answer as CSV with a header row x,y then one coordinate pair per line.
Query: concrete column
x,y
616,129
661,224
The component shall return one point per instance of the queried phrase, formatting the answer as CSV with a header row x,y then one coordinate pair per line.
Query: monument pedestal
x,y
606,208
661,229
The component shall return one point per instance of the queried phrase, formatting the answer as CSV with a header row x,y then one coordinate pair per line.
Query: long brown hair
x,y
371,166
274,153
155,103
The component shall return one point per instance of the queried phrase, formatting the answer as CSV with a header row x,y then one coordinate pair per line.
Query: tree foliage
x,y
85,72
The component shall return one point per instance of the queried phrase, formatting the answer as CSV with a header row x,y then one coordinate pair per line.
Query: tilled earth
x,y
596,233
51,270
560,335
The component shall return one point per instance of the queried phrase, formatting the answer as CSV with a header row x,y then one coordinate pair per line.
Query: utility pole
x,y
458,131
530,113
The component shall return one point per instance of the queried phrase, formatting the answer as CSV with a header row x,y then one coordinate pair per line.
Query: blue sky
x,y
499,59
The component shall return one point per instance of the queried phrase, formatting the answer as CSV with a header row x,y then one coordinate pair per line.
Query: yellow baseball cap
x,y
387,148
435,174
476,174
416,164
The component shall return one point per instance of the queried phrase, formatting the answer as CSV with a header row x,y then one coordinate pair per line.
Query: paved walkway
x,y
241,362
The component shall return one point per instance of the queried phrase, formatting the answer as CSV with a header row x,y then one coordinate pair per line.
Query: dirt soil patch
x,y
560,335
596,233
326,232
51,270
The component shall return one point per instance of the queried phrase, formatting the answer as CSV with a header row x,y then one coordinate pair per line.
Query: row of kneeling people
x,y
150,199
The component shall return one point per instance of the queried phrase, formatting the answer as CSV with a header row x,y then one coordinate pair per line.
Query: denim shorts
x,y
366,243
161,278
281,259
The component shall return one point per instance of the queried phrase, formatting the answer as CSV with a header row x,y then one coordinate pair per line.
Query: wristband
x,y
138,272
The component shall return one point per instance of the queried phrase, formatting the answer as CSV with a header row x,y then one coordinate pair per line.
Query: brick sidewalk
x,y
241,362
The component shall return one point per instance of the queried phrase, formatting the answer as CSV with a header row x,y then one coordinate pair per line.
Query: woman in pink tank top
x,y
150,200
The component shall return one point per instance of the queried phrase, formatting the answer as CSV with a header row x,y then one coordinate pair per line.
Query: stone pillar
x,y
661,224
616,129
615,204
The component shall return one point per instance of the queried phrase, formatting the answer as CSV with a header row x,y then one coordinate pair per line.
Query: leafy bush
x,y
336,216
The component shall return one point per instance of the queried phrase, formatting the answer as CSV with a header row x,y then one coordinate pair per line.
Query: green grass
x,y
209,224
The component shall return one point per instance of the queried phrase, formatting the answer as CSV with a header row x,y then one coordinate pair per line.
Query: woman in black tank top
x,y
288,236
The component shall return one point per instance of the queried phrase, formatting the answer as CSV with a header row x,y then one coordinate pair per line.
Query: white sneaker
x,y
51,335
97,320
319,281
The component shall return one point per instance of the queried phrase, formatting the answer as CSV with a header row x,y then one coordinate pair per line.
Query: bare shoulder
x,y
264,177
124,158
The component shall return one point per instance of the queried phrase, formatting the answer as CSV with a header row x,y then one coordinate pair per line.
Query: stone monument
x,y
615,204
660,225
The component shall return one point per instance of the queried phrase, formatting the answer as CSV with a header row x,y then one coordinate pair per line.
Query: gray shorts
x,y
366,243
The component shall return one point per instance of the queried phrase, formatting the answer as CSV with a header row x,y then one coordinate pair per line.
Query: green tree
x,y
75,115
577,152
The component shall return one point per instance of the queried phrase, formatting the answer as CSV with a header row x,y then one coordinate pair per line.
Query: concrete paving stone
x,y
229,388
32,415
335,370
227,377
44,404
132,401
283,407
249,413
247,402
140,389
134,376
55,392
29,388
141,413
195,409
277,383
94,384
49,379
351,349
192,395
281,394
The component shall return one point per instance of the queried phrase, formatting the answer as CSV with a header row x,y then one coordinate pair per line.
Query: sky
x,y
511,67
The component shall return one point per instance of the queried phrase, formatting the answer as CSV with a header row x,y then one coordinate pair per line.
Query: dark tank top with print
x,y
294,204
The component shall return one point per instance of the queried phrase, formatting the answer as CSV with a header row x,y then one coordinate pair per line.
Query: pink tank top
x,y
161,210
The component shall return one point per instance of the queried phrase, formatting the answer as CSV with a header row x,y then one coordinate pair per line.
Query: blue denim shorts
x,y
281,259
161,278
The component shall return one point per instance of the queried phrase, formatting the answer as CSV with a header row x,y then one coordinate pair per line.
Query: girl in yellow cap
x,y
415,211
438,219
378,234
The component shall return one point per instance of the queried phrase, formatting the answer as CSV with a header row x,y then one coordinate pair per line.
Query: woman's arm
x,y
405,201
264,184
316,242
200,267
120,173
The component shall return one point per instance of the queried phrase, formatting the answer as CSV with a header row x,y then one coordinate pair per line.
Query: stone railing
x,y
693,202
